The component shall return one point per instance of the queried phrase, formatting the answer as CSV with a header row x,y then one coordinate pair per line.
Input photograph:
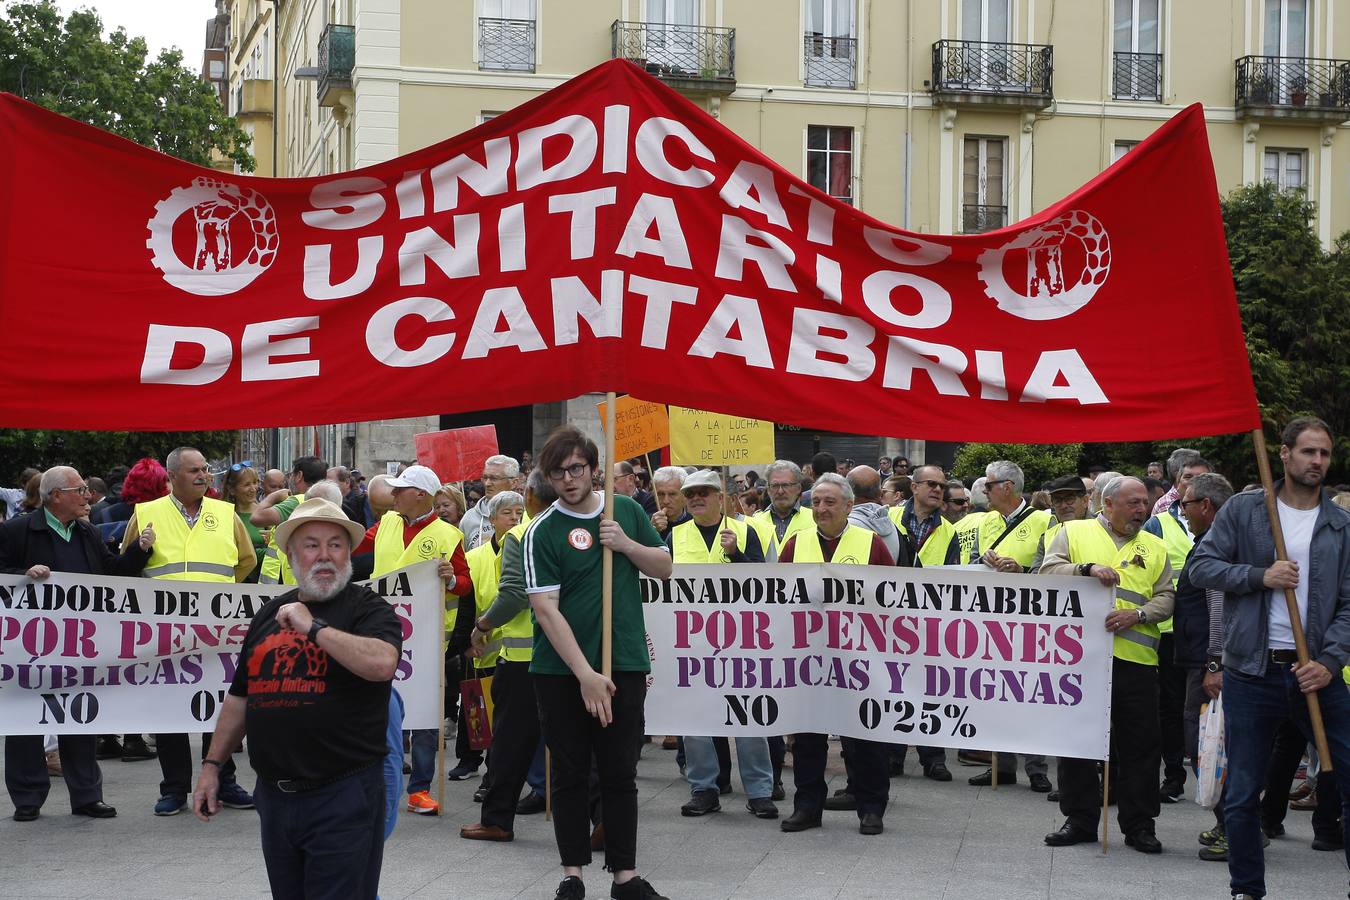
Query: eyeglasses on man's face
x,y
576,470
82,490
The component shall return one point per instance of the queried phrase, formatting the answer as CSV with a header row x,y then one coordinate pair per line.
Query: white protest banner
x,y
83,654
940,657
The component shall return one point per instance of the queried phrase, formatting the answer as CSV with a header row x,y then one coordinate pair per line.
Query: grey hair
x,y
838,481
1102,481
539,485
511,467
171,461
1180,459
504,498
52,479
670,473
783,465
1005,470
978,496
325,490
1115,484
1211,486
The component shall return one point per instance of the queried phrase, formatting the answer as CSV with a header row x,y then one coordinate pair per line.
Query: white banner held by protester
x,y
940,657
83,654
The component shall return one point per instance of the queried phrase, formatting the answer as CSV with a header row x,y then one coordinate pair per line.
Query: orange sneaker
x,y
422,804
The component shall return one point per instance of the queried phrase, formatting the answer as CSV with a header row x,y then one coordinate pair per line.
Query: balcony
x,y
506,44
337,56
976,219
830,61
1293,87
993,75
253,98
689,58
1137,76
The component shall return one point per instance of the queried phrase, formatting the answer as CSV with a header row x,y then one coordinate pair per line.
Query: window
x,y
985,20
487,116
1136,62
1120,148
830,44
506,37
217,69
829,160
1286,169
984,203
673,36
1286,28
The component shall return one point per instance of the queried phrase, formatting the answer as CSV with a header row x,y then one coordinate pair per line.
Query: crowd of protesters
x,y
1205,617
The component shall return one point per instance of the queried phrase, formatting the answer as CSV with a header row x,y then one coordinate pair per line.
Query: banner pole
x,y
607,560
1106,793
1290,599
440,742
993,769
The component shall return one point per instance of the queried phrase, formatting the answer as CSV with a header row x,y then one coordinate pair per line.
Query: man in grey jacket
x,y
1262,680
499,473
868,512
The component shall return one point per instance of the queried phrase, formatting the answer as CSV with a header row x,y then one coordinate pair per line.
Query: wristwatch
x,y
1143,616
1085,569
315,627
1213,666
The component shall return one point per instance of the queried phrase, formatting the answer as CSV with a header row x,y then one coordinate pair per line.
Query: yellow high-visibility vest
x,y
1021,543
1179,545
968,533
1139,563
205,552
802,520
854,547
485,569
437,539
934,550
688,546
276,569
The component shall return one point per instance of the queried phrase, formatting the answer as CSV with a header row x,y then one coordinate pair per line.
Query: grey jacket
x,y
476,525
1233,557
874,518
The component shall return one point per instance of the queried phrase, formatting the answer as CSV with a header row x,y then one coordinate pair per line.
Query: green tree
x,y
69,66
1040,462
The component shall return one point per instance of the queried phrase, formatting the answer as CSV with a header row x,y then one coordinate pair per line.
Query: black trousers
x,y
1171,712
175,763
1135,748
324,844
928,756
868,765
26,775
515,738
573,737
777,756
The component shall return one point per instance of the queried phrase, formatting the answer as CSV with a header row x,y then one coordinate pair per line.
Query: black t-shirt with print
x,y
309,718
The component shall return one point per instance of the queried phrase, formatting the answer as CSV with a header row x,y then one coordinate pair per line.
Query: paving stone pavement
x,y
948,841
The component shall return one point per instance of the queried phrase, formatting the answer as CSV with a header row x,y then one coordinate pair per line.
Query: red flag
x,y
607,235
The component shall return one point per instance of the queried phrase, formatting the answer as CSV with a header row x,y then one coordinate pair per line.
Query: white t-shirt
x,y
1297,525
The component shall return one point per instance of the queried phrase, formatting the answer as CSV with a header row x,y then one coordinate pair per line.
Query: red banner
x,y
607,235
456,454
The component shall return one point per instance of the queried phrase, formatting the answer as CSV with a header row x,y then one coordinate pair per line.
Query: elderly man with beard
x,y
312,694
1112,548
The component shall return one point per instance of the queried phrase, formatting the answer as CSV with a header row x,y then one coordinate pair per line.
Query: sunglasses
x,y
240,466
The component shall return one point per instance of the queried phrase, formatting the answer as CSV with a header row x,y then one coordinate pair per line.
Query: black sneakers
x,y
635,888
701,803
570,888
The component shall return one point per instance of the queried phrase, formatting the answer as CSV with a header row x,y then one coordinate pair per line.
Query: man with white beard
x,y
312,693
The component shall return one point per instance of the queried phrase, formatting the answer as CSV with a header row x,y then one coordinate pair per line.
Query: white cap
x,y
419,477
705,478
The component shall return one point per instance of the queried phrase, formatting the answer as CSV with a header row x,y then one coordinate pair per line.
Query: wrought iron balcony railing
x,y
994,69
337,56
1294,83
976,218
1137,76
830,61
506,44
692,56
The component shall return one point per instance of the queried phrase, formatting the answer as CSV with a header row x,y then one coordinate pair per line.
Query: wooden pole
x,y
1106,791
607,563
993,769
440,742
1291,599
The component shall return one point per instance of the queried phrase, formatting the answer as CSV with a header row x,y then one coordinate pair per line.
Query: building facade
x,y
941,116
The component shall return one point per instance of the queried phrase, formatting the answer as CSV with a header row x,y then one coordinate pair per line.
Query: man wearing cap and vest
x,y
785,516
197,538
515,713
410,533
1113,549
710,537
276,508
1068,503
834,539
1171,526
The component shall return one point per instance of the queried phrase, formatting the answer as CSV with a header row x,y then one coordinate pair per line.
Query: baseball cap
x,y
704,478
419,477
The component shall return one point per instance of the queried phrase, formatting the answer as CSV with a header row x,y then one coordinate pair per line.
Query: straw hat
x,y
318,510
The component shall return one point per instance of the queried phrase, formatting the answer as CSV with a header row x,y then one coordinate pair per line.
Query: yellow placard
x,y
639,426
702,438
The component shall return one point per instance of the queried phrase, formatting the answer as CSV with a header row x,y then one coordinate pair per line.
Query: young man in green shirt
x,y
582,712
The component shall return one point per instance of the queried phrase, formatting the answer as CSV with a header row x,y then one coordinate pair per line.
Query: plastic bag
x,y
1213,755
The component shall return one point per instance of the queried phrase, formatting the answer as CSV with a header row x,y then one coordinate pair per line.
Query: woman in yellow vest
x,y
505,511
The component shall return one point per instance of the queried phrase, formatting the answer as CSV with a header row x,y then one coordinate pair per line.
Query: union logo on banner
x,y
1062,263
212,238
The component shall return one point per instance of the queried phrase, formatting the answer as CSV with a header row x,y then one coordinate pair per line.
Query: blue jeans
x,y
1253,709
423,759
752,754
535,777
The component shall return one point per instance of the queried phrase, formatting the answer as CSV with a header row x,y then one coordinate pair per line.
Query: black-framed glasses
x,y
783,486
576,470
1186,503
995,483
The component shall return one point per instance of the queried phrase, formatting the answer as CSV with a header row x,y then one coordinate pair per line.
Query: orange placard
x,y
456,454
639,426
